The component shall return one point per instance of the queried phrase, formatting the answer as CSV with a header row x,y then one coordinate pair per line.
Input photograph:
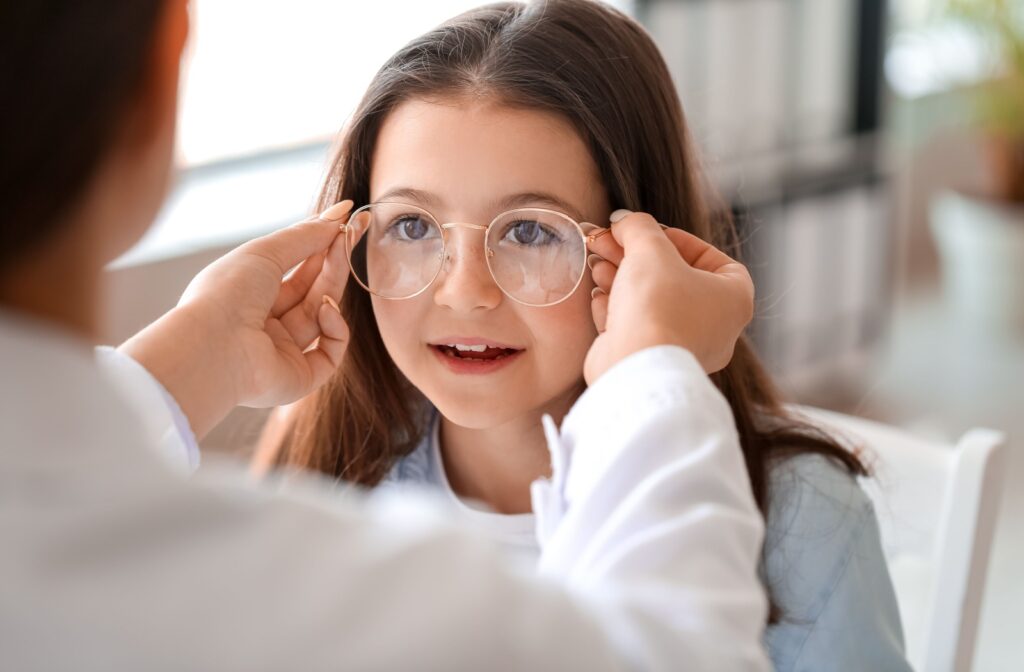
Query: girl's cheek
x,y
397,326
569,326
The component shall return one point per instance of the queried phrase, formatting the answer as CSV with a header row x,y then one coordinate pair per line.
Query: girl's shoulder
x,y
814,495
816,515
411,469
417,467
826,570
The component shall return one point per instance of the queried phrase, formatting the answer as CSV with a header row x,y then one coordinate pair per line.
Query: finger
x,y
639,229
738,274
599,309
608,248
332,324
290,246
326,357
296,286
703,256
333,275
300,319
603,273
697,252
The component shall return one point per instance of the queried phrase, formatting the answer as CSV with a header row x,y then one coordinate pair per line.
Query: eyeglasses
x,y
537,257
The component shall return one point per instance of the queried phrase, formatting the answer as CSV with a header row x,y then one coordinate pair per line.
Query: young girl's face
x,y
468,160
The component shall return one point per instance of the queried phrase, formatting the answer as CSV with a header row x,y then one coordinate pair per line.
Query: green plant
x,y
999,102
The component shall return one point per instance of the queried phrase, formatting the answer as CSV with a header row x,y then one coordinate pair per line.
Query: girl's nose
x,y
465,283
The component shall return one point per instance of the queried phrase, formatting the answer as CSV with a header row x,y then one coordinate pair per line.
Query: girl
x,y
480,154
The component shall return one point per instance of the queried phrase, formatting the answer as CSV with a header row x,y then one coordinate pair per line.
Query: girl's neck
x,y
496,465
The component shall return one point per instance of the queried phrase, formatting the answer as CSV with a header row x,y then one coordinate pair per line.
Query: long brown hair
x,y
601,70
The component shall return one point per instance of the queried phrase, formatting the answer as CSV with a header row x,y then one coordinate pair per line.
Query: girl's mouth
x,y
475,357
484,352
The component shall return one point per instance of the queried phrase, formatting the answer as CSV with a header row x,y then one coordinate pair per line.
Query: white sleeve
x,y
650,520
650,542
162,417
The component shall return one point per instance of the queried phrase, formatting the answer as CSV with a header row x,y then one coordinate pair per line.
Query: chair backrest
x,y
937,505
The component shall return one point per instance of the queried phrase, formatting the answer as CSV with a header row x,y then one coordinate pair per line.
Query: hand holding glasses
x,y
537,257
665,287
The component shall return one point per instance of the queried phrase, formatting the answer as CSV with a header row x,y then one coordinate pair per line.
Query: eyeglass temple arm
x,y
603,230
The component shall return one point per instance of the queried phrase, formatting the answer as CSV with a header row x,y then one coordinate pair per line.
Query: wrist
x,y
187,354
688,339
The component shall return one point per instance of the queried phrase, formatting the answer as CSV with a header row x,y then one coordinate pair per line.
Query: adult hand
x,y
244,334
665,288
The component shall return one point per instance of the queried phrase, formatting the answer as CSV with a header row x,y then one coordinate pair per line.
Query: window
x,y
267,85
265,75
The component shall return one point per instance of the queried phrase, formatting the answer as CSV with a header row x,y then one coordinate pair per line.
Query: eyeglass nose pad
x,y
447,259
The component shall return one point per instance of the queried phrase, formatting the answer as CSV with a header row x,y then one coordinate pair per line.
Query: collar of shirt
x,y
424,469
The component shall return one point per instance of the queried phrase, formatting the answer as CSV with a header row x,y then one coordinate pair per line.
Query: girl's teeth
x,y
468,348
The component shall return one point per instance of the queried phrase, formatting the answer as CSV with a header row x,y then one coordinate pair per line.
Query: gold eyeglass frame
x,y
588,237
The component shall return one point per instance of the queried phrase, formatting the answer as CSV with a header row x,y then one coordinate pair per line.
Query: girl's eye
x,y
412,228
530,233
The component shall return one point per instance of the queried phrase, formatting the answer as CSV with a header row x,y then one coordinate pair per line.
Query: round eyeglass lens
x,y
395,250
536,256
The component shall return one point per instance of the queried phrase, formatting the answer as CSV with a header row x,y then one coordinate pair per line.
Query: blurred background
x,y
865,146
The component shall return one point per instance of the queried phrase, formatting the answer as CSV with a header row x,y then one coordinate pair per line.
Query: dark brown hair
x,y
600,70
67,70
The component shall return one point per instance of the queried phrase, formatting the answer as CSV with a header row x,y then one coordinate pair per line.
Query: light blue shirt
x,y
823,561
824,567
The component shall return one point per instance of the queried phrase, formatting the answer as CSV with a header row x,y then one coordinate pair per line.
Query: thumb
x,y
699,253
288,247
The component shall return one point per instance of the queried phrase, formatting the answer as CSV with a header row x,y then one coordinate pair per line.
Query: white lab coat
x,y
112,560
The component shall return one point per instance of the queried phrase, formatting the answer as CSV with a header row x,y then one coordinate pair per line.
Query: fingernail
x,y
619,214
593,259
332,303
337,211
596,291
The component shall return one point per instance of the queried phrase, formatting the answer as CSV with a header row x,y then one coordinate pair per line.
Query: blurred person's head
x,y
568,98
86,136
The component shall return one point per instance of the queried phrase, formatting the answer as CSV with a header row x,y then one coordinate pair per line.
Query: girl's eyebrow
x,y
510,202
418,195
527,198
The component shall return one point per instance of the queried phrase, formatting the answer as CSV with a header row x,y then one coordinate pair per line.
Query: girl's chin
x,y
487,409
478,413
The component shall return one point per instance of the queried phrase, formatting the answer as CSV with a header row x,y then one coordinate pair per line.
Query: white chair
x,y
937,506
